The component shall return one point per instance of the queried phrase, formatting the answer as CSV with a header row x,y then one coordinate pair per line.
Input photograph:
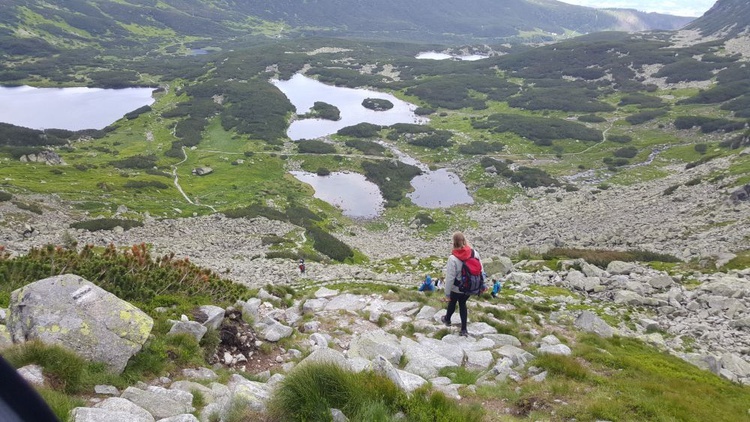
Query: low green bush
x,y
602,258
5,196
28,206
329,245
315,146
377,104
105,224
145,184
310,391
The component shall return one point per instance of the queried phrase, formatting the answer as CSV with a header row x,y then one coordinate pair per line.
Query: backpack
x,y
471,279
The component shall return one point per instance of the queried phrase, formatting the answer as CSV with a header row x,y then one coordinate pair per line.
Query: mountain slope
x,y
727,18
77,22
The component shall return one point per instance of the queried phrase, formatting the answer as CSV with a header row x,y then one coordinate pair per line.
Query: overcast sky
x,y
671,7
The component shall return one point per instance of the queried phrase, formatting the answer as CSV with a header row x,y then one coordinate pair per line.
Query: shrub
x,y
645,116
366,147
693,182
105,224
144,184
133,275
377,104
591,118
540,130
566,366
700,148
325,111
329,245
620,139
627,152
27,206
703,160
136,162
438,139
315,147
480,148
361,130
602,257
5,196
670,190
322,171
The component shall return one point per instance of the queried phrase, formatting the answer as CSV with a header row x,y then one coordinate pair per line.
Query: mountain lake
x,y
69,108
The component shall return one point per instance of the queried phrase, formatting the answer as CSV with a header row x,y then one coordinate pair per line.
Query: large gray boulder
x,y
72,312
373,344
590,322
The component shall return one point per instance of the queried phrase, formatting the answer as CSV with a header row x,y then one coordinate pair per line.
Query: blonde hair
x,y
459,240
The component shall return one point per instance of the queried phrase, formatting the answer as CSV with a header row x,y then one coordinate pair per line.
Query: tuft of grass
x,y
60,403
460,375
310,391
63,369
565,366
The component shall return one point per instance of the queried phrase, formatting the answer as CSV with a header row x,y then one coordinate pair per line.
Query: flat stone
x,y
118,404
324,292
556,349
33,374
155,402
214,316
480,360
180,418
107,390
372,344
90,414
195,329
347,302
200,374
590,322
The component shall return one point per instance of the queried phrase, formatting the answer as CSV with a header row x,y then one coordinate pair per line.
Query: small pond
x,y
433,55
303,92
69,108
356,196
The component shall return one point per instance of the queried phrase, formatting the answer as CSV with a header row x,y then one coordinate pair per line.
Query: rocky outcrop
x,y
77,314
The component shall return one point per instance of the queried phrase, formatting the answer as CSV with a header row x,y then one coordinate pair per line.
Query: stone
x,y
90,414
200,374
505,265
324,292
503,339
591,323
628,297
480,360
736,365
3,316
591,270
372,344
579,281
276,331
157,402
33,374
621,268
347,302
381,365
191,387
400,307
193,328
550,340
338,416
319,340
556,349
661,282
5,339
214,316
72,312
426,313
251,308
106,390
180,418
518,356
423,361
326,355
118,404
480,329
255,394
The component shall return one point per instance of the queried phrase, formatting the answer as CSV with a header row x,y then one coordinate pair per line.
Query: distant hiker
x,y
461,253
302,267
427,284
496,287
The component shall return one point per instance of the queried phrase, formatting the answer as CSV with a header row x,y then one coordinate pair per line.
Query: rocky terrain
x,y
705,322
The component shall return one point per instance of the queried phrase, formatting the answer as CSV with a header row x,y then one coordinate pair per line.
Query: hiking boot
x,y
464,333
445,321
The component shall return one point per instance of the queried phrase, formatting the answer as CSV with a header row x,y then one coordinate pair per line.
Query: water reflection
x,y
433,55
356,196
69,108
303,92
439,189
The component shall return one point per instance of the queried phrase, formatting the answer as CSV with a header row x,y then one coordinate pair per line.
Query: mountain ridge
x,y
77,21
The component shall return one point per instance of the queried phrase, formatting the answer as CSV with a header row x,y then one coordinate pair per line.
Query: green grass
x,y
310,391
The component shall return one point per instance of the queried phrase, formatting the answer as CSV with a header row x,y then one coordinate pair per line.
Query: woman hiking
x,y
460,253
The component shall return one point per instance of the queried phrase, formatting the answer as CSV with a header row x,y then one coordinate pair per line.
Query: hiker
x,y
460,253
427,284
496,287
302,267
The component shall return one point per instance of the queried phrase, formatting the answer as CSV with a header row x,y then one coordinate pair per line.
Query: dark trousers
x,y
461,299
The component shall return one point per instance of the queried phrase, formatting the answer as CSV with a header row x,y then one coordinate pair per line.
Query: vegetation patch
x,y
602,258
105,224
377,104
542,131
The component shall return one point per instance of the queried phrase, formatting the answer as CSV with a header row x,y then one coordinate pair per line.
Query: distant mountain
x,y
727,18
79,22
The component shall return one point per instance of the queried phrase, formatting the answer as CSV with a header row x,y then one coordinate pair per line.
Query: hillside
x,y
726,19
134,25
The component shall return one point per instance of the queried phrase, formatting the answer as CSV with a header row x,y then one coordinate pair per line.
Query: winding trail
x,y
179,188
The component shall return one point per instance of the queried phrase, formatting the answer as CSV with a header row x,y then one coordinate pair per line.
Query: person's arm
x,y
450,275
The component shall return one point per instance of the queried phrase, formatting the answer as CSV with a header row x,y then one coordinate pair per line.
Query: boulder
x,y
621,268
118,404
195,329
373,344
72,312
661,282
90,414
736,365
214,316
590,322
381,365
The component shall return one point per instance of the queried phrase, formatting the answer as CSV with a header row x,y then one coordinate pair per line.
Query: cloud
x,y
672,7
